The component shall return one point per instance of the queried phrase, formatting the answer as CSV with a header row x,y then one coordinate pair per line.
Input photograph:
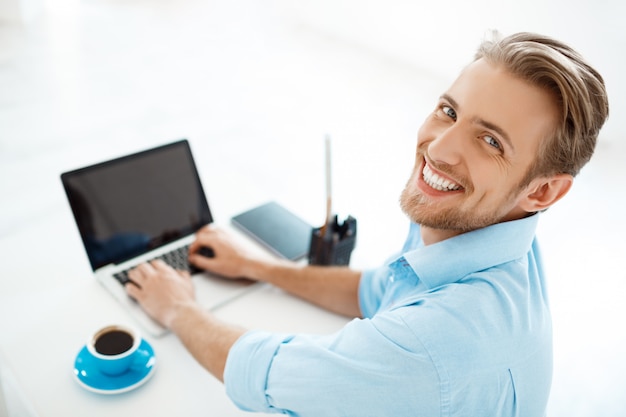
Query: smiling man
x,y
475,150
457,323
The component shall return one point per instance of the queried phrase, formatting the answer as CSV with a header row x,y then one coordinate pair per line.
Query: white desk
x,y
50,302
42,330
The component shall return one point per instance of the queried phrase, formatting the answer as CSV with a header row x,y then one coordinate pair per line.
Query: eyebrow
x,y
486,124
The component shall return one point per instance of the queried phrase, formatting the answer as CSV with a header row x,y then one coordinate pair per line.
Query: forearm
x,y
331,287
207,339
334,288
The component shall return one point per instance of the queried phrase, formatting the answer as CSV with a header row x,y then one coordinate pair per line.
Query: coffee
x,y
113,342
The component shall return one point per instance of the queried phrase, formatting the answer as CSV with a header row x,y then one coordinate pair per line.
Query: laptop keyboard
x,y
177,259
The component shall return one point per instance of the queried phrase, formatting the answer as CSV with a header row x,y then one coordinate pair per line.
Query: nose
x,y
448,145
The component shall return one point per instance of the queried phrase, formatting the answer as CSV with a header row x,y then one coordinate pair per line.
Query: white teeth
x,y
438,183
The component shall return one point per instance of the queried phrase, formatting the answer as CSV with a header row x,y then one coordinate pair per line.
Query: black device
x,y
276,228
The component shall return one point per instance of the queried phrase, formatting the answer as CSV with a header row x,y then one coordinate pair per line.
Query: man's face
x,y
474,150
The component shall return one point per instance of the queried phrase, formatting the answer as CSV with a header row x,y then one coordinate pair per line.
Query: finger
x,y
203,237
133,290
132,281
195,245
160,265
198,243
206,230
163,268
145,269
200,261
136,276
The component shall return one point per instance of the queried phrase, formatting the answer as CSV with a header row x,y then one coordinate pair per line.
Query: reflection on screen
x,y
136,203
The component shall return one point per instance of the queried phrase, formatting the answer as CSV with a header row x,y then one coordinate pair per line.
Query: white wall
x,y
20,10
439,36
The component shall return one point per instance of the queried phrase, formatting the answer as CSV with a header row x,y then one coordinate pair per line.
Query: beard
x,y
446,216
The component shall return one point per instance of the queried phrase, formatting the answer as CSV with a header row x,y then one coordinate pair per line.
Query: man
x,y
457,324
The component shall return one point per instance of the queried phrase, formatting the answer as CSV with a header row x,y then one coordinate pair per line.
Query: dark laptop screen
x,y
132,204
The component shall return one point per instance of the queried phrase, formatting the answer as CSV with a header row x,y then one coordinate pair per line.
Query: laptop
x,y
140,207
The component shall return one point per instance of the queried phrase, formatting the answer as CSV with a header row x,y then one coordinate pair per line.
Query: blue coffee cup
x,y
113,348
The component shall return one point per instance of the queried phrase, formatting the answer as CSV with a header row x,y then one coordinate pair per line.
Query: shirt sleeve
x,y
246,369
369,368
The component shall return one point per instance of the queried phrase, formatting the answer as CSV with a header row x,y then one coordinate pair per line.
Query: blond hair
x,y
578,90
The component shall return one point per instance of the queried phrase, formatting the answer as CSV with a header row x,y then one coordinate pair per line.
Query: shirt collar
x,y
450,260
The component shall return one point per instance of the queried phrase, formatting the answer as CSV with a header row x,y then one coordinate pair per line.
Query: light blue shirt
x,y
457,328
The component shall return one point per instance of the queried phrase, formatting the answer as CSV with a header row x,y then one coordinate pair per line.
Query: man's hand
x,y
168,296
334,288
231,259
160,290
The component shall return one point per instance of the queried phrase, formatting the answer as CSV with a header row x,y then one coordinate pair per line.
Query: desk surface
x,y
50,302
45,327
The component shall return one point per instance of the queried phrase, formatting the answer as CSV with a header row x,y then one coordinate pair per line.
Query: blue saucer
x,y
90,378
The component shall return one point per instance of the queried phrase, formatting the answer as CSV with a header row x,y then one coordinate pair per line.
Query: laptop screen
x,y
130,205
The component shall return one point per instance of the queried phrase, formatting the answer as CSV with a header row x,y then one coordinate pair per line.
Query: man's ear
x,y
541,193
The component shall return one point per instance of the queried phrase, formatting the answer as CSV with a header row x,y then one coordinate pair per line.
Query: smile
x,y
438,183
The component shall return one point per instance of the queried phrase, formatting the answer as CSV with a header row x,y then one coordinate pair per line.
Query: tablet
x,y
276,228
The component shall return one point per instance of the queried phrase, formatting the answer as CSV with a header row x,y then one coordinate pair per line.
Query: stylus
x,y
329,193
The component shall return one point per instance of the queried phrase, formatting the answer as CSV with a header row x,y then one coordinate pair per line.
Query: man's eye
x,y
492,141
449,111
